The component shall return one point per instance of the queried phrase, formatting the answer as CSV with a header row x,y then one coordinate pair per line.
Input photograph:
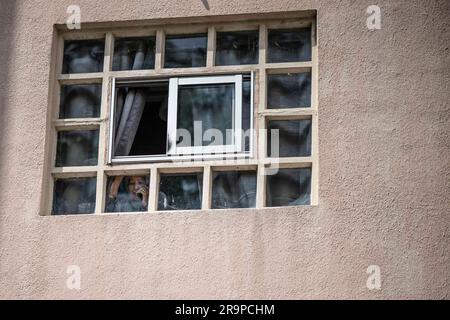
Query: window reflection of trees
x,y
234,48
289,45
234,190
80,101
74,196
180,192
83,56
77,148
289,187
185,51
289,90
294,138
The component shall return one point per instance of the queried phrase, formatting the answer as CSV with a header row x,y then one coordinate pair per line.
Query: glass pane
x,y
289,187
80,101
207,107
183,51
140,119
180,192
289,45
127,194
236,189
77,148
134,53
294,138
234,48
82,56
246,113
292,90
72,196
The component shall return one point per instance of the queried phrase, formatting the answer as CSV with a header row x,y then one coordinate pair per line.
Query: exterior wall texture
x,y
384,171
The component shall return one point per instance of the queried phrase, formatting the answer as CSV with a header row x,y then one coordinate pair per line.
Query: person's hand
x,y
143,193
114,188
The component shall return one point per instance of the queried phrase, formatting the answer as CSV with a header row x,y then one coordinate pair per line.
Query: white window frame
x,y
236,150
174,85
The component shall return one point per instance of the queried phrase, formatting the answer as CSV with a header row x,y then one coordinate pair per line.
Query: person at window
x,y
128,194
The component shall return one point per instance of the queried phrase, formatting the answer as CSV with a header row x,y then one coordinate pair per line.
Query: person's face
x,y
135,184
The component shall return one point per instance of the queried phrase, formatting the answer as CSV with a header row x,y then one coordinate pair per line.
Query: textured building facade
x,y
383,184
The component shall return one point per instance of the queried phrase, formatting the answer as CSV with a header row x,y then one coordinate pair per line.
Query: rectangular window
x,y
233,189
77,148
140,119
75,195
80,101
83,56
289,90
289,45
181,116
206,113
134,53
127,193
235,48
185,51
289,187
180,192
185,117
289,138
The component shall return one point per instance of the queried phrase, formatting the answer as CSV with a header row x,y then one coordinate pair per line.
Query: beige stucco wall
x,y
384,172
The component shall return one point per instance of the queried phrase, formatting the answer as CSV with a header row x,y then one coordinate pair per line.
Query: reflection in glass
x,y
294,138
180,192
235,48
211,104
127,194
80,101
235,189
72,196
140,119
77,148
134,53
292,90
289,187
289,45
82,56
183,51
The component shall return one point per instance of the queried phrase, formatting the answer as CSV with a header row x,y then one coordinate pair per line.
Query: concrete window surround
x,y
255,159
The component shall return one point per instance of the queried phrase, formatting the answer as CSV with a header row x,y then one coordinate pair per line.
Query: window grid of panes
x,y
282,55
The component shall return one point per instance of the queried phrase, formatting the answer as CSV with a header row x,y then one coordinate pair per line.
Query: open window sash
x,y
227,146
